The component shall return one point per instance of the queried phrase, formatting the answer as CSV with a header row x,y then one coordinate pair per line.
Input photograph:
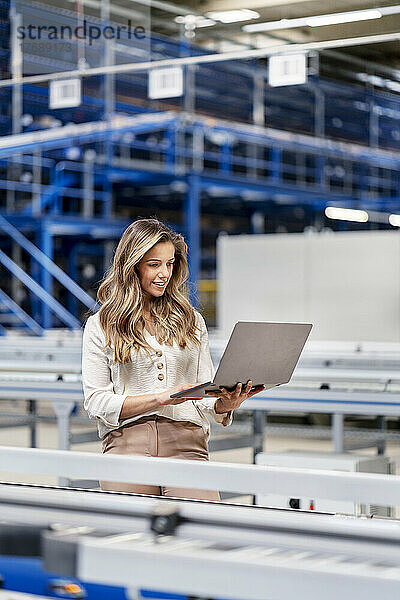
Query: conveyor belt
x,y
205,548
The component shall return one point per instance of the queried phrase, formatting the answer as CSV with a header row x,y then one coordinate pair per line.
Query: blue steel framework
x,y
353,112
65,189
222,159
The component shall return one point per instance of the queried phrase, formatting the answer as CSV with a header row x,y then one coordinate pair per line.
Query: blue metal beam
x,y
47,264
307,143
192,227
49,196
32,285
20,313
95,228
237,185
46,280
83,133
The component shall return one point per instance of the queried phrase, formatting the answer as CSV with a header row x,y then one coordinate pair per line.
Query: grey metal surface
x,y
104,538
363,488
244,571
309,400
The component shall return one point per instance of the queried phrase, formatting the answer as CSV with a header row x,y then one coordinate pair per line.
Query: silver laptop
x,y
265,353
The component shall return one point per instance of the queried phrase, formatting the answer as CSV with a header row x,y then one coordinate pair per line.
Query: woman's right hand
x,y
165,397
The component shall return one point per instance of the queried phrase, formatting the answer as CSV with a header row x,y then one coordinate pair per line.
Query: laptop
x,y
265,353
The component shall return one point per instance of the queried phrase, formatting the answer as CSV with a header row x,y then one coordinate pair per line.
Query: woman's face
x,y
155,268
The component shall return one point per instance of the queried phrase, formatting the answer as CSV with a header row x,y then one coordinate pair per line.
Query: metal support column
x,y
32,425
252,160
225,160
257,222
259,100
169,138
319,117
36,183
108,58
109,107
258,119
88,184
319,112
16,68
13,168
190,89
276,164
193,233
381,443
338,432
46,279
198,149
373,125
63,412
258,432
56,207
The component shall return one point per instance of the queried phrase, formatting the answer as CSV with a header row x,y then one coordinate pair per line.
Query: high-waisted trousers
x,y
161,437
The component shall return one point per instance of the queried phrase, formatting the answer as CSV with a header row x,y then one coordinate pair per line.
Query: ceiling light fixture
x,y
194,20
233,16
346,214
345,17
322,20
204,22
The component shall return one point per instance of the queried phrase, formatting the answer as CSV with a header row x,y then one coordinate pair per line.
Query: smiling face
x,y
155,269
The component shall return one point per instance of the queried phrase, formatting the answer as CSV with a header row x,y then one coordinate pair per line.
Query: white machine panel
x,y
346,283
324,461
353,284
251,285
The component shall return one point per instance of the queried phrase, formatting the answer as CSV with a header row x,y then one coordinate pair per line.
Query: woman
x,y
146,343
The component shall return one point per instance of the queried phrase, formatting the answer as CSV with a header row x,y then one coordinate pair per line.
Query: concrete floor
x,y
47,438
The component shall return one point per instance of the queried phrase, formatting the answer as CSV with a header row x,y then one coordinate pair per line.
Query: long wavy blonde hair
x,y
121,297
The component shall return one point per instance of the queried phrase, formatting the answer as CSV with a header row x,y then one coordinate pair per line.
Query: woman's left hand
x,y
227,401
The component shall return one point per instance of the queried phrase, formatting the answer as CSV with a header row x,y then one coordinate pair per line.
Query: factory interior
x,y
267,134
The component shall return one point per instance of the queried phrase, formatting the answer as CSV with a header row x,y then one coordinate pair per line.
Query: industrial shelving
x,y
201,155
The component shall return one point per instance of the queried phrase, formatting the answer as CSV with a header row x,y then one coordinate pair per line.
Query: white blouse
x,y
106,385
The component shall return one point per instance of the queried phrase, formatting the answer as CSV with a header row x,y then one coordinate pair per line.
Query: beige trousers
x,y
162,437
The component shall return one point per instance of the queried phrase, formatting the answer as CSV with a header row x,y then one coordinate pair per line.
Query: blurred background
x,y
222,120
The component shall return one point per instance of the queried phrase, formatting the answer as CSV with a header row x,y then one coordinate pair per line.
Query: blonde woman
x,y
146,343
